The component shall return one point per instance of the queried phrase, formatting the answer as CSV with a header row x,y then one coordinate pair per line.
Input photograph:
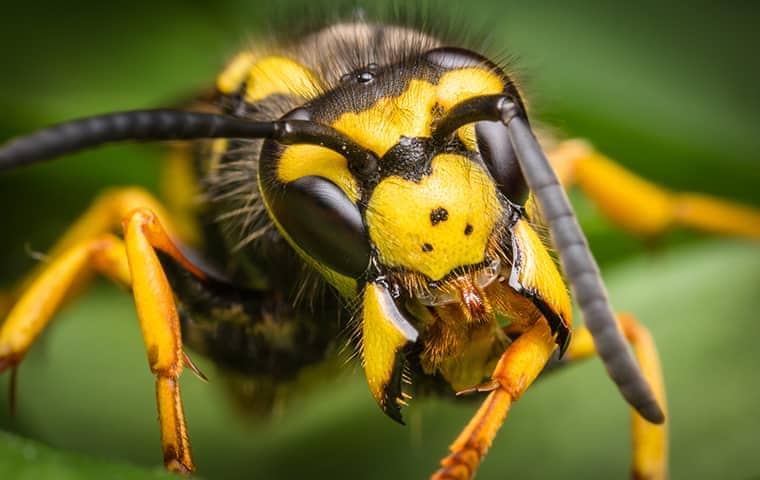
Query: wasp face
x,y
438,233
429,213
437,223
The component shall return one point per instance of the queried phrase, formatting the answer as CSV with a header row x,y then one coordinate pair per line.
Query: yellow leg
x,y
104,215
518,367
159,323
650,442
29,316
642,207
133,262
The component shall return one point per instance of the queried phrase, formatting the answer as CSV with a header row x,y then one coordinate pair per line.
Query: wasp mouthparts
x,y
473,301
467,290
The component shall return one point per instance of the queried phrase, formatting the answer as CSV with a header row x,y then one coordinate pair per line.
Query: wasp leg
x,y
159,322
650,442
518,367
642,207
132,262
104,215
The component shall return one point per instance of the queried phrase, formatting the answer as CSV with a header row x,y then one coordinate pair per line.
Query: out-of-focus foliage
x,y
24,459
700,302
669,92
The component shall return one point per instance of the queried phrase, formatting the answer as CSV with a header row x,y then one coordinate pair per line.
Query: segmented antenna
x,y
140,125
158,125
580,268
578,264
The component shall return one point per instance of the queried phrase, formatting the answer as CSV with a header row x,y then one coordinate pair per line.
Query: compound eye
x,y
500,159
300,113
324,223
452,58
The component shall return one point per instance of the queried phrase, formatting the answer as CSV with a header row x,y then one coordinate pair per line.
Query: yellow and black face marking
x,y
444,222
405,101
405,173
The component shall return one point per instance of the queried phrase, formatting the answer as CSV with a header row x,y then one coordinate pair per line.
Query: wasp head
x,y
436,227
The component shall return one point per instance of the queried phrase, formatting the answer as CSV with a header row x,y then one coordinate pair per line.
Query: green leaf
x,y
87,389
23,459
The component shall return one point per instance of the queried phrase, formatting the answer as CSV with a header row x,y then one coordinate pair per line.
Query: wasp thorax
x,y
438,223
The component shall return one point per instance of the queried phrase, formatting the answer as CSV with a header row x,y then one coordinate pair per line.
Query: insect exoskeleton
x,y
401,169
395,206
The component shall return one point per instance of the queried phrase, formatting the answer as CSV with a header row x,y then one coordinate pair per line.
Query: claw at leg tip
x,y
175,466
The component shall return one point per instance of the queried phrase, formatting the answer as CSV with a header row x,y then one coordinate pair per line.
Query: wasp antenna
x,y
361,160
485,107
158,125
139,125
580,267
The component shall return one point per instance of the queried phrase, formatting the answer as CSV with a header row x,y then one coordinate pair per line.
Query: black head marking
x,y
426,247
438,215
468,229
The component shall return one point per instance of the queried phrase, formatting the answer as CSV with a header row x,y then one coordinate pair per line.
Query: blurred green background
x,y
669,91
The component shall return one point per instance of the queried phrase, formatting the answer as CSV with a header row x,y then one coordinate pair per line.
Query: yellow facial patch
x,y
411,113
267,76
467,135
303,160
276,74
236,72
438,224
538,272
465,83
380,127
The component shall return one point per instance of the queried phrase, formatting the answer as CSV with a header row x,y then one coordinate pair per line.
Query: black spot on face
x,y
438,215
468,229
426,247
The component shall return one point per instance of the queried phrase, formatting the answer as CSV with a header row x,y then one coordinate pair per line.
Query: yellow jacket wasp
x,y
401,175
